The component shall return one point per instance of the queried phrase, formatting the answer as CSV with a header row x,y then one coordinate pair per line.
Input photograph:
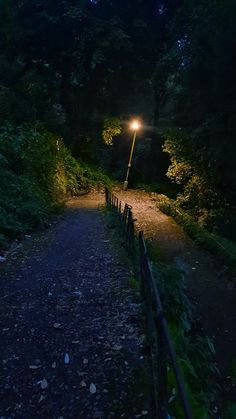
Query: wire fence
x,y
162,352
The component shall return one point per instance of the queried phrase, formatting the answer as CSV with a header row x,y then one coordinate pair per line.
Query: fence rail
x,y
162,350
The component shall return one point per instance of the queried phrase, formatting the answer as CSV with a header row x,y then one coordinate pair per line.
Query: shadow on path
x,y
71,346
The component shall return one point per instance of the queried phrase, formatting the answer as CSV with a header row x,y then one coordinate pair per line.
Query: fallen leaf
x,y
83,383
85,361
78,293
117,347
66,359
54,364
43,383
92,388
34,367
81,374
57,325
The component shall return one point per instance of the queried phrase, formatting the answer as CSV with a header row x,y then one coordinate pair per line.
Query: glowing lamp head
x,y
135,125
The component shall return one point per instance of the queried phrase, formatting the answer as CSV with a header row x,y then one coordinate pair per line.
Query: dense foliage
x,y
36,172
196,73
84,68
80,66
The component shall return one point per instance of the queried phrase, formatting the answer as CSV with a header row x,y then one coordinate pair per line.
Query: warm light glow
x,y
135,125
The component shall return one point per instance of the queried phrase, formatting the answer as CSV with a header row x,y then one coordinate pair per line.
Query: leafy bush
x,y
36,171
111,128
93,177
196,177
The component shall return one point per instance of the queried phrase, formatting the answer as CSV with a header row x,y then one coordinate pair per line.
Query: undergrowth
x,y
168,188
37,172
223,248
195,352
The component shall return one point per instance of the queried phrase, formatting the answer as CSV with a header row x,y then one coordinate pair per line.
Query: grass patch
x,y
223,248
195,352
120,246
168,188
156,253
230,411
134,285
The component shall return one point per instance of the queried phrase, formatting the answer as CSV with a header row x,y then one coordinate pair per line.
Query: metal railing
x,y
161,347
126,219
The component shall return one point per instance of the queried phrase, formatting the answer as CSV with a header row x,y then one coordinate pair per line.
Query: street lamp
x,y
135,125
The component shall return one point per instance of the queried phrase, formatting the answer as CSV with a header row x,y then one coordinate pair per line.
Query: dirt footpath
x,y
209,285
71,344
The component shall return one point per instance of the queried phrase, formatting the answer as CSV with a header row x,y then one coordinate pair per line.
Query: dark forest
x,y
74,74
74,70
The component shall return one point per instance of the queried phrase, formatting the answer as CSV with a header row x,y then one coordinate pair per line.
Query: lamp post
x,y
135,125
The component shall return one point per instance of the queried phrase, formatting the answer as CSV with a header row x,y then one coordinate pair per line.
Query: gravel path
x,y
210,286
71,343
